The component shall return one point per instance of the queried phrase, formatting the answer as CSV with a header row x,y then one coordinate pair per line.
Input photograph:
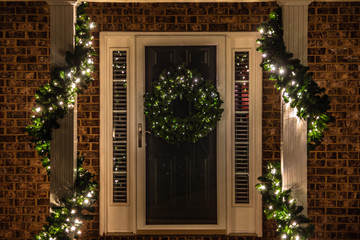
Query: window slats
x,y
241,120
119,126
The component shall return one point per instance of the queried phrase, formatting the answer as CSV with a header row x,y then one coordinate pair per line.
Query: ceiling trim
x,y
181,1
195,1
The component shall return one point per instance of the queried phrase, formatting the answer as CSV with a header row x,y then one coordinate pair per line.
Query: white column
x,y
294,130
63,145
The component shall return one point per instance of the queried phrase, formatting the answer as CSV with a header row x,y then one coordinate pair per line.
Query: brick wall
x,y
178,17
334,168
334,57
24,66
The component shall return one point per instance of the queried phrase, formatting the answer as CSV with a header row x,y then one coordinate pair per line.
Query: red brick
x,y
330,50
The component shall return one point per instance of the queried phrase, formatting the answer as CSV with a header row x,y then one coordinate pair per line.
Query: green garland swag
x,y
53,100
67,217
189,85
281,207
293,79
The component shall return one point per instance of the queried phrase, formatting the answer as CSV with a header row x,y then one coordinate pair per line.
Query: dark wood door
x,y
181,178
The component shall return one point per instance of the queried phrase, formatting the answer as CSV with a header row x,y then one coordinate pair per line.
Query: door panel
x,y
181,178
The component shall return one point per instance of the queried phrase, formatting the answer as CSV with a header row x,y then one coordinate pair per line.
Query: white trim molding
x,y
62,2
294,2
286,2
182,1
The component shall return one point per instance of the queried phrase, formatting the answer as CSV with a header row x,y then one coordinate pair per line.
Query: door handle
x,y
140,135
140,132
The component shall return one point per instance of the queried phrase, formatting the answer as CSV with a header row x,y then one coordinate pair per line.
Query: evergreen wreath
x,y
187,85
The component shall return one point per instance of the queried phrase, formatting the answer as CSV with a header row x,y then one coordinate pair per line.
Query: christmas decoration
x,y
281,207
187,85
293,79
67,217
53,100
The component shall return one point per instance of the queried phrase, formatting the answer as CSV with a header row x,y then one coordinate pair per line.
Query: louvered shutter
x,y
241,127
120,182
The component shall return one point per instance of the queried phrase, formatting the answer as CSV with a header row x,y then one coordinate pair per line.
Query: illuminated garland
x,y
68,216
188,85
279,205
53,100
293,79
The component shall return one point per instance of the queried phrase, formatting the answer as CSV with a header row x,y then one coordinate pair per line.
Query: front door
x,y
181,181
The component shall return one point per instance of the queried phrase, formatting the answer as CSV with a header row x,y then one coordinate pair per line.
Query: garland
x,y
185,84
68,216
281,207
53,100
293,79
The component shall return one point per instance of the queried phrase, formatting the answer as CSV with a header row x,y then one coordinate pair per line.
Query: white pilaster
x,y
294,130
64,142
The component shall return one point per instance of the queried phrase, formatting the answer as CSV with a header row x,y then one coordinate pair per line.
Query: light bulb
x,y
272,67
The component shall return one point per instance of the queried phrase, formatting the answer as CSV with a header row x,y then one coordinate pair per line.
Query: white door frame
x,y
182,40
120,218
